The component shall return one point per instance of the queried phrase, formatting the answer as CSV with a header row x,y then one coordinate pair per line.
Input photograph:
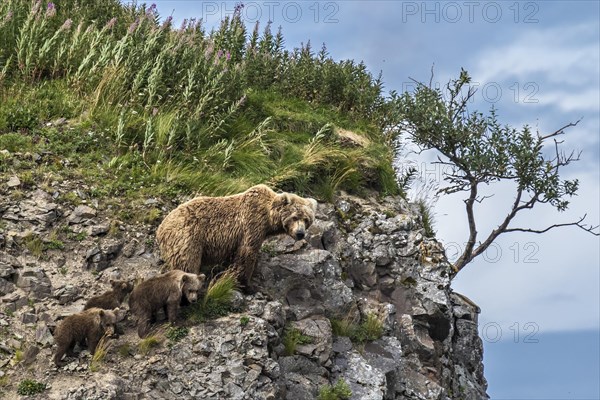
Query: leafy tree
x,y
477,150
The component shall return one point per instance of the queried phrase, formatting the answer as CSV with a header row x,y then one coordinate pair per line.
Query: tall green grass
x,y
210,111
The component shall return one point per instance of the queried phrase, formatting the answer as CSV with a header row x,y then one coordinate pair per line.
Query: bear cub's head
x,y
191,285
295,214
109,319
123,287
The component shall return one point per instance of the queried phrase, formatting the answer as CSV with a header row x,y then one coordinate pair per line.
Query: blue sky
x,y
538,63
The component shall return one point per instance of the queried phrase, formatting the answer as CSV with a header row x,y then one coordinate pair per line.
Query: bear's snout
x,y
300,235
192,297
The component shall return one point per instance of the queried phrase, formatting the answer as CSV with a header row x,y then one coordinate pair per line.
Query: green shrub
x,y
426,217
292,337
150,342
15,142
175,334
369,329
217,299
30,387
339,391
21,117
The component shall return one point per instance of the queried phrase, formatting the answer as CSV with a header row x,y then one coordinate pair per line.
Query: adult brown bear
x,y
231,229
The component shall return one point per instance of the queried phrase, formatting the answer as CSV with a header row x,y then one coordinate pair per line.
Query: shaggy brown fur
x,y
112,298
162,292
231,229
87,326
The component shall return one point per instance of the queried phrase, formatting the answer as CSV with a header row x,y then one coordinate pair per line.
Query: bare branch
x,y
431,77
464,101
560,131
578,223
481,199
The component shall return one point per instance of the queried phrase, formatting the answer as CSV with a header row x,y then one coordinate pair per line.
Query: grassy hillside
x,y
132,106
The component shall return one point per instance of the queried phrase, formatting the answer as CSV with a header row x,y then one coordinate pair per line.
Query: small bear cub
x,y
113,298
85,327
163,292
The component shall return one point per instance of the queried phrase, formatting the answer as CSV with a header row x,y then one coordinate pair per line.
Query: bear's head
x,y
293,213
191,285
121,286
108,320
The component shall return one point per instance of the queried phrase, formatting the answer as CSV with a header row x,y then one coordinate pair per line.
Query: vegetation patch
x,y
30,387
369,329
175,334
150,342
217,299
339,391
292,337
81,80
100,354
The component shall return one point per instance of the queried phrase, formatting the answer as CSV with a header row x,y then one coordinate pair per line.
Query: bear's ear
x,y
282,199
313,204
101,313
183,281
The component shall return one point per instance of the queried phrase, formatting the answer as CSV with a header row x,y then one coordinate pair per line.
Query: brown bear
x,y
163,292
85,327
231,229
111,299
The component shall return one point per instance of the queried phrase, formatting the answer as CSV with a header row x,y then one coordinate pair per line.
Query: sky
x,y
538,64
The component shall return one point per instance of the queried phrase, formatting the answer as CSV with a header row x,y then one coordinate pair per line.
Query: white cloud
x,y
563,62
563,54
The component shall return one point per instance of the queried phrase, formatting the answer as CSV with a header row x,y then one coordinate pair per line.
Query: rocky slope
x,y
364,260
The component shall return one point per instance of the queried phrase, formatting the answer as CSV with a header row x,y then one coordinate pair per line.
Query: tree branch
x,y
467,256
560,131
578,223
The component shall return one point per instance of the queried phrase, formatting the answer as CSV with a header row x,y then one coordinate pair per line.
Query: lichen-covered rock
x,y
319,345
361,260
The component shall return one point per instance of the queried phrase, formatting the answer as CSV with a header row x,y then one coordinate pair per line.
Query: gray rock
x,y
66,294
81,213
6,287
319,331
96,230
28,318
35,281
43,336
308,281
13,181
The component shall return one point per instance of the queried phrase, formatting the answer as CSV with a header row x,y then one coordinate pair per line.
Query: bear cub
x,y
163,292
111,299
85,327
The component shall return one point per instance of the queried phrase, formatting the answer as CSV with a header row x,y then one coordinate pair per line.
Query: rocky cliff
x,y
364,300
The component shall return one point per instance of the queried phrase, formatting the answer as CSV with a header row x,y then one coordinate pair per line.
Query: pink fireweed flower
x,y
36,7
66,25
133,26
219,53
151,11
8,16
184,24
238,8
209,50
228,56
111,23
168,21
50,10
